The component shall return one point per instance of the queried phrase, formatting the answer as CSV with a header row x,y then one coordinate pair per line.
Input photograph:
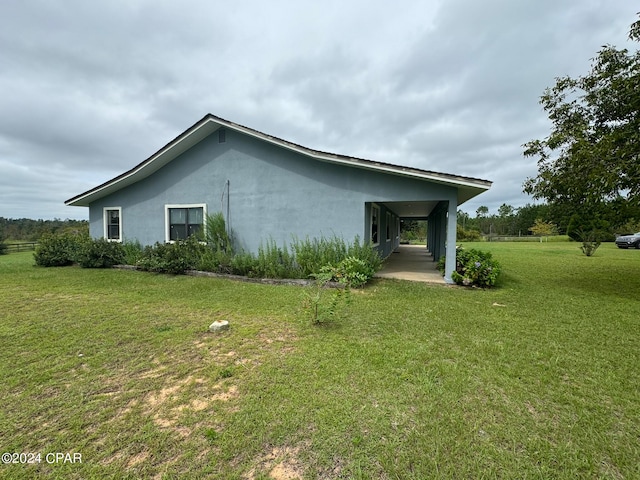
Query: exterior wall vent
x,y
222,135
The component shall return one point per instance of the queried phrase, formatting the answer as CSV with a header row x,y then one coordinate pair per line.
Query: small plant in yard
x,y
590,241
348,273
590,231
323,302
473,268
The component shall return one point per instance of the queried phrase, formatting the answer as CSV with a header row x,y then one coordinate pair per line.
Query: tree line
x,y
508,221
28,230
526,220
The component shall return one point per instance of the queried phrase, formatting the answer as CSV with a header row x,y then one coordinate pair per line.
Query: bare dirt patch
x,y
281,463
137,459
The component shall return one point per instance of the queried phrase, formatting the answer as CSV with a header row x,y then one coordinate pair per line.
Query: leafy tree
x,y
463,218
505,210
542,228
482,211
482,214
527,215
506,217
590,161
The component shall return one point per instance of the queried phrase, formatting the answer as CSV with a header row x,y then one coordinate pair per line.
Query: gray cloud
x,y
90,89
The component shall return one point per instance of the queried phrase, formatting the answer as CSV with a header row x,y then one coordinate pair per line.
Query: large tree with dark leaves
x,y
590,163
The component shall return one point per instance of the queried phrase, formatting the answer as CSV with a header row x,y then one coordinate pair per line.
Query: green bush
x,y
357,262
243,264
473,268
216,235
467,235
101,253
58,250
217,261
307,259
174,258
590,231
351,271
275,262
312,255
132,252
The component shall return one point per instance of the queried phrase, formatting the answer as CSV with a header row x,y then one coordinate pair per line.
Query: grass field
x,y
538,378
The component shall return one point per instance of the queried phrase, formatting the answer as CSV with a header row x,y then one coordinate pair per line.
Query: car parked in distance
x,y
626,241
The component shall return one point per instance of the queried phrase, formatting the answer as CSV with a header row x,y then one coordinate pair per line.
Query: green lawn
x,y
538,378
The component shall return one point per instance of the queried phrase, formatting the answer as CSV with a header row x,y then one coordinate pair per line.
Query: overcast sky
x,y
90,89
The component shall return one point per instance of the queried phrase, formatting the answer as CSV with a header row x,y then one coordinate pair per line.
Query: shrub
x,y
325,303
366,253
590,231
312,255
473,268
132,252
243,264
467,235
275,262
216,235
590,241
100,253
352,272
58,250
174,258
357,262
215,261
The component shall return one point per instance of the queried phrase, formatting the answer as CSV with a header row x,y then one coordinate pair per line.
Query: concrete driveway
x,y
411,262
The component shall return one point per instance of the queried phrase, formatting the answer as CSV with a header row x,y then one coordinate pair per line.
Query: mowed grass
x,y
538,378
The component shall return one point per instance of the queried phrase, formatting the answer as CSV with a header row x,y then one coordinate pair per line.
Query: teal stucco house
x,y
269,188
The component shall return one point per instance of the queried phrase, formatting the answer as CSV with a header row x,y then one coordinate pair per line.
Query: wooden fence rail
x,y
20,247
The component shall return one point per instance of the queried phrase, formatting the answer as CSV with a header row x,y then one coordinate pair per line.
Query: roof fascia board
x,y
360,163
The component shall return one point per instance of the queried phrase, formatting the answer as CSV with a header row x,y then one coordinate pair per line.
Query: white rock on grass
x,y
218,326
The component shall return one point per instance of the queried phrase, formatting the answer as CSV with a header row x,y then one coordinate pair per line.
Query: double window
x,y
112,217
182,221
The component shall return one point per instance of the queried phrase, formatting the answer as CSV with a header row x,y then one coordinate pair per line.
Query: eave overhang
x,y
468,187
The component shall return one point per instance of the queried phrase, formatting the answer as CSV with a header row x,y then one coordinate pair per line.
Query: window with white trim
x,y
375,224
112,218
182,221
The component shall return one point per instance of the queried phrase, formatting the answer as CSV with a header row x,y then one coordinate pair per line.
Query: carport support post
x,y
450,247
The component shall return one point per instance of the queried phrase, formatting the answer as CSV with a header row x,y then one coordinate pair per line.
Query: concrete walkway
x,y
411,262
